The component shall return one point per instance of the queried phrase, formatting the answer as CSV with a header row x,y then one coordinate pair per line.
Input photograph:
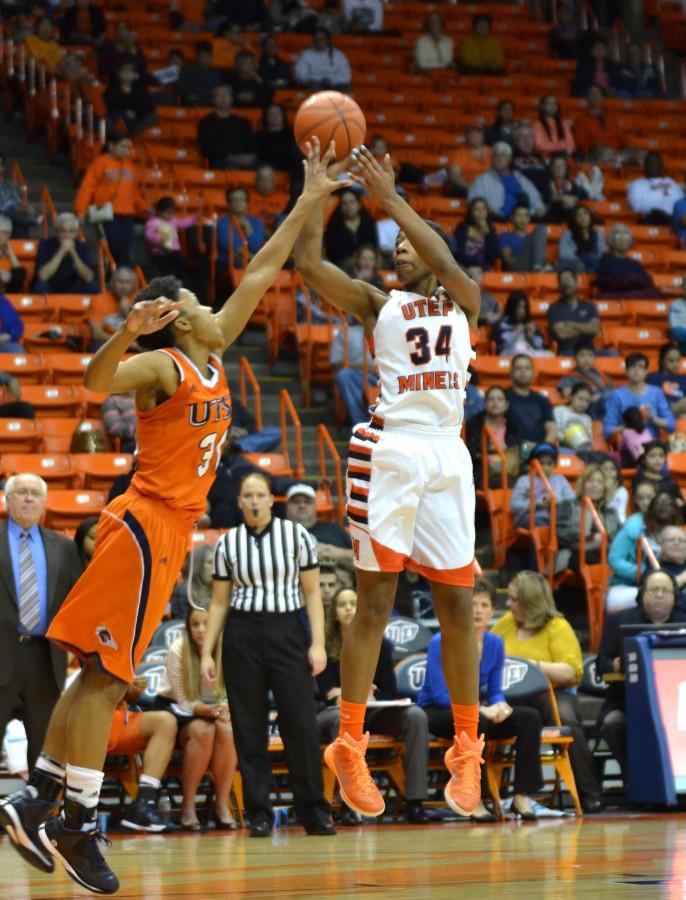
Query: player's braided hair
x,y
166,286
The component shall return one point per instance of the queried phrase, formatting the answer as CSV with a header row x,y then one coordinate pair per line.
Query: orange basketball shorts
x,y
125,733
112,611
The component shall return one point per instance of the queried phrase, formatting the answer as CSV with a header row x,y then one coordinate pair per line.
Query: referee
x,y
259,570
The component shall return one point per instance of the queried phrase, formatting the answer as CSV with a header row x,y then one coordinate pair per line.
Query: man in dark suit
x,y
38,568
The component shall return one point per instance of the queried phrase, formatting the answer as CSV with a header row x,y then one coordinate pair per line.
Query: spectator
x,y
84,538
481,53
363,16
655,195
596,70
676,319
273,70
530,412
11,328
333,542
679,220
194,590
618,496
119,418
673,560
248,87
476,242
162,235
656,603
129,101
205,732
637,79
349,370
228,43
328,586
349,227
522,250
109,309
533,628
497,719
516,332
570,318
199,80
652,468
293,15
465,164
619,275
553,136
15,408
322,65
647,397
561,194
365,266
503,189
585,372
495,417
14,207
582,244
597,135
527,161
43,45
332,19
592,484
168,75
12,273
490,311
408,724
547,456
622,558
39,569
123,48
64,264
433,49
504,124
565,37
574,425
249,15
226,141
668,378
83,23
238,231
275,142
266,202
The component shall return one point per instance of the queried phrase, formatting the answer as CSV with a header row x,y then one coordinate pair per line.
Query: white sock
x,y
50,766
83,785
149,781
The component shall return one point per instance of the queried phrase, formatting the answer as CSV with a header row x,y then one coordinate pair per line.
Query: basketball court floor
x,y
617,856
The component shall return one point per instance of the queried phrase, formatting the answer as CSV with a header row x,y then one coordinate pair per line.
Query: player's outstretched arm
x,y
107,372
265,265
379,180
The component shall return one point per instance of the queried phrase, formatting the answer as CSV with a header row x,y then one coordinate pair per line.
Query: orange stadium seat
x,y
501,284
70,307
56,400
56,434
610,310
550,369
28,368
647,313
570,466
613,367
628,338
66,509
19,436
672,285
493,370
30,306
90,402
55,468
41,336
99,470
66,368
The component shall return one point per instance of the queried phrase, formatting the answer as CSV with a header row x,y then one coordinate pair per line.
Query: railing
x,y
48,210
643,548
596,588
247,376
587,508
287,411
546,553
17,176
325,445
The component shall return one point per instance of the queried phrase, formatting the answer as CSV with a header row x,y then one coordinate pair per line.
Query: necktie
x,y
29,607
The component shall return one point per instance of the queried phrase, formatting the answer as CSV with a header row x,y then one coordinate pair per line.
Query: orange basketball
x,y
331,116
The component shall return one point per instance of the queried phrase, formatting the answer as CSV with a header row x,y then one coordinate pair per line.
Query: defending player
x,y
184,413
410,483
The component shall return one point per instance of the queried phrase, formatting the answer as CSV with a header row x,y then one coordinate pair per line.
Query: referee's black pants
x,y
263,651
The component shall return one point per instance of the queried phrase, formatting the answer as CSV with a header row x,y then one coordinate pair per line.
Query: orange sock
x,y
352,719
466,718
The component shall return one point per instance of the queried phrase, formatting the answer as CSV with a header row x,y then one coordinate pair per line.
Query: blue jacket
x,y
622,555
621,399
10,320
225,228
434,691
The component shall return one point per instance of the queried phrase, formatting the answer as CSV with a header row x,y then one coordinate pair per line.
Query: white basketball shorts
x,y
411,501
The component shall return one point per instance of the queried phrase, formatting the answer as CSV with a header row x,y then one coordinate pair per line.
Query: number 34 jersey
x,y
180,441
422,347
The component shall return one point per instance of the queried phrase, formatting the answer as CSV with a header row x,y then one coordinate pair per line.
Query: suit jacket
x,y
63,571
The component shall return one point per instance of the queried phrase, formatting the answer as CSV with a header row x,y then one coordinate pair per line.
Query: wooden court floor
x,y
628,856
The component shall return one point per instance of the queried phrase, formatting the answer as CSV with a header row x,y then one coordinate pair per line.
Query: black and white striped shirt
x,y
265,568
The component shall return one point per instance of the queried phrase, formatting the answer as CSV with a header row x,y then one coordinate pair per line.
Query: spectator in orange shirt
x,y
266,201
227,45
107,307
470,161
481,52
552,135
124,47
111,178
597,136
43,46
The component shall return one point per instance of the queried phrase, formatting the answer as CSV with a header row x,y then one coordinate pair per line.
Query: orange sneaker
x,y
464,759
345,758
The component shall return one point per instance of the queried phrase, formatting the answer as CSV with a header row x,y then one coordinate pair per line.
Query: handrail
x,y
17,176
643,547
288,411
587,506
488,445
245,375
536,471
325,444
48,209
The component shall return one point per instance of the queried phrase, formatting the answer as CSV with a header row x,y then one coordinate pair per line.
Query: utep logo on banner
x,y
513,673
401,633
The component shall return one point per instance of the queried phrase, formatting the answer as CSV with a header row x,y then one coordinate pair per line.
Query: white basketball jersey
x,y
422,347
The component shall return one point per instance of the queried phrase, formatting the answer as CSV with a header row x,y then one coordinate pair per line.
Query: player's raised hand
x,y
376,178
148,316
321,172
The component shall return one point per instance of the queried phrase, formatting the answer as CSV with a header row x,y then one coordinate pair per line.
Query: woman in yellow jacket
x,y
111,179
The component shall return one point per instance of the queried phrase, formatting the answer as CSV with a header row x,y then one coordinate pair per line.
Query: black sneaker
x,y
80,854
20,815
145,817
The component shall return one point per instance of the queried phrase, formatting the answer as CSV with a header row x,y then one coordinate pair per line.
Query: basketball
x,y
330,116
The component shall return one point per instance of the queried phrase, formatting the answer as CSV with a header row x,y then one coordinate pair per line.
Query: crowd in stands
x,y
523,192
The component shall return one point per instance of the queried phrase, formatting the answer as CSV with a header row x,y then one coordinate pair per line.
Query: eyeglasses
x,y
28,492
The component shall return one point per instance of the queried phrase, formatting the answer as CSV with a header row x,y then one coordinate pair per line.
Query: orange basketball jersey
x,y
180,441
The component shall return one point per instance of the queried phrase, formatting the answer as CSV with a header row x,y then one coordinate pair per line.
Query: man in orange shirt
x,y
470,161
266,202
109,309
597,136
